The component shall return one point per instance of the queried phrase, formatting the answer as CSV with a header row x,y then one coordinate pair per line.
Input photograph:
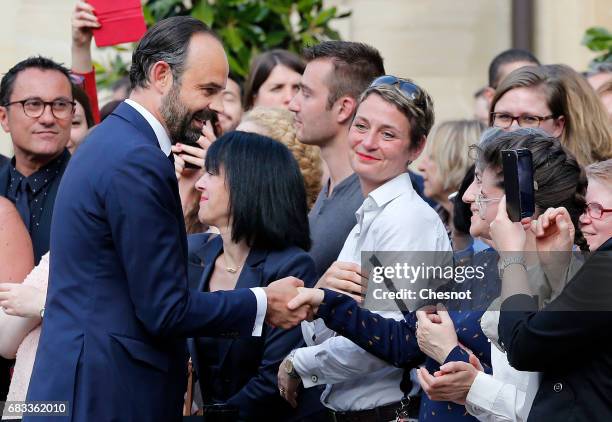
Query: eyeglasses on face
x,y
410,90
35,107
504,120
596,211
482,203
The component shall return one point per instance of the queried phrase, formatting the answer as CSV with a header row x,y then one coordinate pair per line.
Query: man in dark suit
x,y
118,305
36,108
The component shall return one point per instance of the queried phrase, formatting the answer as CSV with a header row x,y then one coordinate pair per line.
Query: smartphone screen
x,y
518,183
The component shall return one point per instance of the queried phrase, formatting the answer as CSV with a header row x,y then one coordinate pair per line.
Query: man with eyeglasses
x,y
36,108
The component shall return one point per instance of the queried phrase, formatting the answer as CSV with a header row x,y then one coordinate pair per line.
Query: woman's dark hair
x,y
262,66
267,196
461,211
81,97
558,179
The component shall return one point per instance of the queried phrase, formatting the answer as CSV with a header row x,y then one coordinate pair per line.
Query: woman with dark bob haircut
x,y
252,191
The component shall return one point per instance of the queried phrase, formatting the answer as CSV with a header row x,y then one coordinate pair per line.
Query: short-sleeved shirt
x,y
331,219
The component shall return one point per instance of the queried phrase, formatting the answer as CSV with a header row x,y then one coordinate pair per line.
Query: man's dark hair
x,y
262,66
356,65
268,206
508,56
37,62
167,41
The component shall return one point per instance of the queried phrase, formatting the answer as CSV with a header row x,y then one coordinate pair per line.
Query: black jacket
x,y
569,342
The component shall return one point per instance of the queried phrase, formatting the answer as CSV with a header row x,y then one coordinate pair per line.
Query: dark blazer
x,y
40,233
118,308
569,342
243,372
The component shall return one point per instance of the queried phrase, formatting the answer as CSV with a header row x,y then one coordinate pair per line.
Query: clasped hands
x,y
289,302
436,337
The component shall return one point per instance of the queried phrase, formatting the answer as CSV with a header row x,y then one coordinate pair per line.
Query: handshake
x,y
290,303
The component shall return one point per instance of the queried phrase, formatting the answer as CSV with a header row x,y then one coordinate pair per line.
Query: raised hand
x,y
279,293
436,336
84,21
554,230
507,235
345,277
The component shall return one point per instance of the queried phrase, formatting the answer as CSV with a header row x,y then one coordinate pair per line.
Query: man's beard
x,y
179,119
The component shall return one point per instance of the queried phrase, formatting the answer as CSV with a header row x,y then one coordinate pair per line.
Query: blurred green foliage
x,y
246,27
599,39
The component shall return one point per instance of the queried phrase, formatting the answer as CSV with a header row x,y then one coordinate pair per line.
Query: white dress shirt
x,y
392,218
166,144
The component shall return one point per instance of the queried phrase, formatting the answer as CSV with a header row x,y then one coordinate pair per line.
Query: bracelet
x,y
511,260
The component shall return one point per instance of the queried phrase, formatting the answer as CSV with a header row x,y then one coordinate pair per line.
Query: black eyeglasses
x,y
596,211
35,107
410,90
504,120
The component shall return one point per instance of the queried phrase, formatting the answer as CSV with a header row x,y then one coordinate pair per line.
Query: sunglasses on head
x,y
410,90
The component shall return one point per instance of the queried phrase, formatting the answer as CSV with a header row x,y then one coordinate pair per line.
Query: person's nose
x,y
422,167
369,141
217,103
469,196
47,117
584,218
294,104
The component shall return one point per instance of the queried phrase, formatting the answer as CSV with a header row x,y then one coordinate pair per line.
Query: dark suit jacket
x,y
41,232
118,308
243,372
569,342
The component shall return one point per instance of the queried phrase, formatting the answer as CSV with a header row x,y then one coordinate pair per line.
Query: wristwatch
x,y
510,260
288,366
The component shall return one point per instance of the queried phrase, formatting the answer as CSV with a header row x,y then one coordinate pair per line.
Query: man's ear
x,y
160,77
346,107
4,121
489,93
416,152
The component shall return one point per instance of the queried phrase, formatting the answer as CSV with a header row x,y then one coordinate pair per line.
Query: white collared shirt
x,y
166,146
392,218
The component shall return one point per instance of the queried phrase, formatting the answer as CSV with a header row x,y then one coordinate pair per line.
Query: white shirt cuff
x,y
304,362
483,394
262,308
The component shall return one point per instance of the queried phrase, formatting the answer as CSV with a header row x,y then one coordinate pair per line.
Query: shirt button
x,y
558,387
314,378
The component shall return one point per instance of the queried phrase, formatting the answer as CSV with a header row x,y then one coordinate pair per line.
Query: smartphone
x,y
211,116
518,183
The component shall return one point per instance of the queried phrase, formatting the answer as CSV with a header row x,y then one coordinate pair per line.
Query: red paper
x,y
121,21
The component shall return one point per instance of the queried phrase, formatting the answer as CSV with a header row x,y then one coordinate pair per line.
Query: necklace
x,y
231,270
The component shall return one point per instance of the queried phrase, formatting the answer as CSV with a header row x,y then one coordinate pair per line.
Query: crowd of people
x,y
196,246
